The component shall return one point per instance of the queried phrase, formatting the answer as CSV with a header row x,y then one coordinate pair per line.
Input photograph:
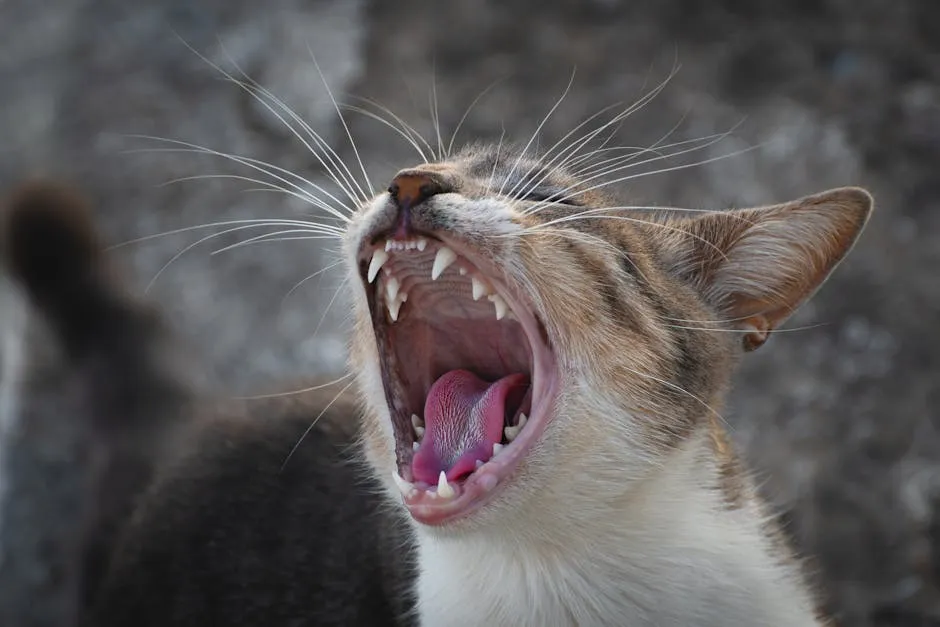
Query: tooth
x,y
403,486
388,245
444,490
394,307
478,464
501,307
422,244
497,447
444,257
379,257
480,287
462,271
391,288
418,425
513,431
415,445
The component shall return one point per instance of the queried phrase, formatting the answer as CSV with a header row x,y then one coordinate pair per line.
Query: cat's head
x,y
489,287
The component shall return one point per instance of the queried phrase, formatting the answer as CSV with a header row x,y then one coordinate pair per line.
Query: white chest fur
x,y
675,557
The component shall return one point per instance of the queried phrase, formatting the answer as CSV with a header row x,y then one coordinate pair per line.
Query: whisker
x,y
312,388
252,88
683,166
304,280
435,115
538,129
190,247
313,424
266,185
450,145
254,164
489,183
407,127
591,215
401,132
576,145
342,119
247,222
272,237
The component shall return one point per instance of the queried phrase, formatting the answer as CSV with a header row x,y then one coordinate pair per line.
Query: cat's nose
x,y
408,190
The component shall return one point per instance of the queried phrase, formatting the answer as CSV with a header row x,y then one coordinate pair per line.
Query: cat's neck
x,y
672,553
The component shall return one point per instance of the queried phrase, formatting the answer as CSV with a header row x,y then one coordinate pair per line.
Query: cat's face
x,y
522,343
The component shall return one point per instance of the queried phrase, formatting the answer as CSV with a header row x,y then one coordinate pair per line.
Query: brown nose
x,y
409,189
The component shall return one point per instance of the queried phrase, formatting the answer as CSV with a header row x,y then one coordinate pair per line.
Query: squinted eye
x,y
549,195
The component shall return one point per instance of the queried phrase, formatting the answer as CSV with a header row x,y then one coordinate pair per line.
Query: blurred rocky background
x,y
839,416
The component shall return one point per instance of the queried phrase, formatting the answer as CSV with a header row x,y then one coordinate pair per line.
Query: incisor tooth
x,y
501,307
444,489
403,486
480,287
391,288
422,244
379,257
444,257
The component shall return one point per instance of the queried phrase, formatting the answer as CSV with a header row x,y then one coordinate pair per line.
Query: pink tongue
x,y
463,417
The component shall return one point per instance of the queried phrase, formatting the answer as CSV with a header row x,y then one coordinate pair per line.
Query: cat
x,y
539,377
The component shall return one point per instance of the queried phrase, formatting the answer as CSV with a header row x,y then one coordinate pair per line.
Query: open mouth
x,y
469,376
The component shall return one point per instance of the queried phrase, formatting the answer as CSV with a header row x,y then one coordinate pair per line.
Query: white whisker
x,y
252,88
313,424
342,120
254,164
463,118
538,129
312,388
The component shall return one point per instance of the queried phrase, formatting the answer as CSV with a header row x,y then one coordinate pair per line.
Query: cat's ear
x,y
757,266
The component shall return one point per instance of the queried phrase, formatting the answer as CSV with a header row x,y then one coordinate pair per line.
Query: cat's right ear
x,y
757,266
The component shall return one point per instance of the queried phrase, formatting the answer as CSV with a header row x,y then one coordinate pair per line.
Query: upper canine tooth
x,y
480,287
422,243
391,288
444,257
444,489
501,307
379,257
404,486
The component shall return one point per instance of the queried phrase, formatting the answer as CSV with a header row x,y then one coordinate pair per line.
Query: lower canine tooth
x,y
403,486
444,489
394,307
444,257
480,287
501,307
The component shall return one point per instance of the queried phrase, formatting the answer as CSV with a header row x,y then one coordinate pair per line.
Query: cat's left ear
x,y
757,266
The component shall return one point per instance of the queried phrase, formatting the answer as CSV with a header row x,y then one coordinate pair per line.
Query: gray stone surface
x,y
838,415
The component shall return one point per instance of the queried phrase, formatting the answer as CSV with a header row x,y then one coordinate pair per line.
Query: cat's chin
x,y
469,375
